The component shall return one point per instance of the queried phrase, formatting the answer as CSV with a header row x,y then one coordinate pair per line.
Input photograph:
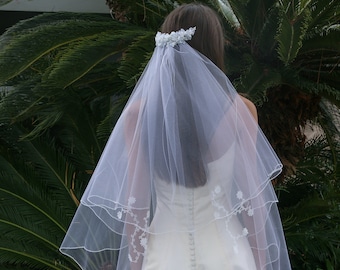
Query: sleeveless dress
x,y
220,244
132,219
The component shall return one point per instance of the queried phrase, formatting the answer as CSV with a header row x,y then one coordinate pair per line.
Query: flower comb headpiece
x,y
174,38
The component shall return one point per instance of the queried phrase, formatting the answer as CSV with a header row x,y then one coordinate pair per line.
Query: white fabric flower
x,y
144,242
239,195
131,200
245,232
119,214
174,38
250,212
217,189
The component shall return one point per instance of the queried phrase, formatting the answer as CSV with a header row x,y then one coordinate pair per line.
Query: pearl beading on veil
x,y
174,38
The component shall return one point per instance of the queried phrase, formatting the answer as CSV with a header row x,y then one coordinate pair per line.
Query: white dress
x,y
129,218
220,244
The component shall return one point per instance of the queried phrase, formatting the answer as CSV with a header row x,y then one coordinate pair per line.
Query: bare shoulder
x,y
131,114
132,110
251,106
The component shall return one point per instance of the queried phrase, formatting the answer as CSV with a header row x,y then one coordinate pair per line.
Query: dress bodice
x,y
192,229
186,209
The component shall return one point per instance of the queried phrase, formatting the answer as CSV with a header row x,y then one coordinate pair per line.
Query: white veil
x,y
183,115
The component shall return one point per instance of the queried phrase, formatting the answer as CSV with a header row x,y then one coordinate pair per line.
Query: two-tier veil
x,y
183,115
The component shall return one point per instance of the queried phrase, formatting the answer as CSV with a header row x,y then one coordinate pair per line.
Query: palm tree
x,y
71,74
310,207
36,201
63,95
285,56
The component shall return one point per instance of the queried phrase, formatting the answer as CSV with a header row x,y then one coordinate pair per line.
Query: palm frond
x,y
266,41
258,80
22,46
310,87
148,14
135,58
30,257
96,49
228,13
37,201
105,127
324,14
293,27
309,207
328,40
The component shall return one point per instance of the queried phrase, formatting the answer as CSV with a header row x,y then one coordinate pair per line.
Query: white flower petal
x,y
144,242
131,200
217,189
174,38
239,195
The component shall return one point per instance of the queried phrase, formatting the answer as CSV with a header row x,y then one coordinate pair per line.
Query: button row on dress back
x,y
191,208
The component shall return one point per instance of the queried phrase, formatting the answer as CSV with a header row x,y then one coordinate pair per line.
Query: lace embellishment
x,y
140,231
174,38
222,212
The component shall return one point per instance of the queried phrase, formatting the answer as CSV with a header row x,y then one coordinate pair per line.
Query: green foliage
x,y
140,51
30,40
36,191
284,56
67,86
295,19
61,71
310,206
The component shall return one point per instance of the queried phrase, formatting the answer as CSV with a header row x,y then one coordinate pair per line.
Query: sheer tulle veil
x,y
183,116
